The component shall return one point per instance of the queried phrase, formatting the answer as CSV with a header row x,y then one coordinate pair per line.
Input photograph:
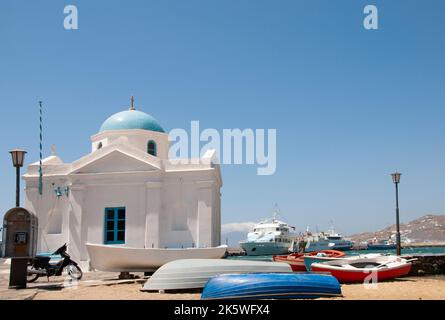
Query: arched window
x,y
151,148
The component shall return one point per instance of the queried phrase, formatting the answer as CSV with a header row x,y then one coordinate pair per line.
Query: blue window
x,y
114,227
151,148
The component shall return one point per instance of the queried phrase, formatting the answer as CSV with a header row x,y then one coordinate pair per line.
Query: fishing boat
x,y
269,237
297,260
321,256
369,269
126,259
271,286
194,273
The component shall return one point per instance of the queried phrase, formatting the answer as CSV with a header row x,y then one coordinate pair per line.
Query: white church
x,y
126,192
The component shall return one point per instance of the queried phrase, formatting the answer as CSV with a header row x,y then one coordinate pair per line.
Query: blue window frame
x,y
151,148
114,226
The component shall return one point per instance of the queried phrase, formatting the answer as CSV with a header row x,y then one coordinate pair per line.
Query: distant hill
x,y
429,228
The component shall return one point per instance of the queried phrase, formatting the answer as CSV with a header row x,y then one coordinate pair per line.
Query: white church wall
x,y
205,218
52,214
153,190
136,138
130,196
76,223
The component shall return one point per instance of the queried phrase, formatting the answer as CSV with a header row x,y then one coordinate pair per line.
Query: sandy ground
x,y
107,286
120,292
407,288
412,288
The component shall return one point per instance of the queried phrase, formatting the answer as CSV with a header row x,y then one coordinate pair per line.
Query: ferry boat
x,y
382,244
270,237
326,241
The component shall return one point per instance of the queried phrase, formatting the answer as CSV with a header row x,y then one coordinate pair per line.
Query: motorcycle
x,y
42,266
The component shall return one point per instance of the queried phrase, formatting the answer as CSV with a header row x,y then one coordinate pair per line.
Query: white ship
x,y
269,237
326,241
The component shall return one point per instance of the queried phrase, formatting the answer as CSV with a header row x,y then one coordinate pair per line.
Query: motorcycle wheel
x,y
74,271
30,277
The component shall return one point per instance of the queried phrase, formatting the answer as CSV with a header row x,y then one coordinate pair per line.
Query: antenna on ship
x,y
332,226
275,212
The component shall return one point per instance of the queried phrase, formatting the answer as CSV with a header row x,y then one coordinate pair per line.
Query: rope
x,y
41,153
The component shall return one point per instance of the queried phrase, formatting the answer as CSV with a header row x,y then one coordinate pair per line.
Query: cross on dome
x,y
132,103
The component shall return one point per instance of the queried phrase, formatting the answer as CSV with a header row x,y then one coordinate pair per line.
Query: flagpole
x,y
41,153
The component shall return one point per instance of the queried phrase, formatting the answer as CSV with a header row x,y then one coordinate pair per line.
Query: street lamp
x,y
396,179
18,157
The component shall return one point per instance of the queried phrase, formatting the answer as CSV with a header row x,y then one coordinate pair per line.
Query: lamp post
x,y
18,157
18,271
396,179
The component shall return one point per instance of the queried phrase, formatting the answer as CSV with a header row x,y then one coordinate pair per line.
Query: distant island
x,y
426,229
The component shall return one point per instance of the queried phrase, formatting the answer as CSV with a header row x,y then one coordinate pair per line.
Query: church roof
x,y
131,119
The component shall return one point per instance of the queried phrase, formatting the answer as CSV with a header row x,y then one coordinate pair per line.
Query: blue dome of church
x,y
131,119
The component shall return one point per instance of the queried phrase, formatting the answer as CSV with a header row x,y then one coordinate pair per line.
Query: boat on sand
x,y
194,273
271,286
127,259
365,269
297,260
321,256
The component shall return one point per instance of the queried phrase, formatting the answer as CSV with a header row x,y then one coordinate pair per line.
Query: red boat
x,y
296,260
369,270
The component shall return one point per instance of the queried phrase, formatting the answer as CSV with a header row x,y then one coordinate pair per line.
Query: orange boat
x,y
296,260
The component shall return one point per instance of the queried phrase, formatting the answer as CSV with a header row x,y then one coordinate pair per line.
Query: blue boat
x,y
271,286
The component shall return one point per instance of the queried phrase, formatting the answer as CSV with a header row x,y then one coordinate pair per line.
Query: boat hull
x,y
125,259
271,286
347,274
309,259
300,262
381,246
264,248
194,273
296,261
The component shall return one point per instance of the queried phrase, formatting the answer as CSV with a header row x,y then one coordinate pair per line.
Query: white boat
x,y
373,269
326,241
269,237
127,259
194,273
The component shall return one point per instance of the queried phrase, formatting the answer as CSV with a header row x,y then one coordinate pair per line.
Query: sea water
x,y
405,251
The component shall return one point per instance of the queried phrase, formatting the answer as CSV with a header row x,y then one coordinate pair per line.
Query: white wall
x,y
136,138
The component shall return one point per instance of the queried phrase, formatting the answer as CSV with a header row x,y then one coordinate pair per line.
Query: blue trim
x,y
153,148
115,221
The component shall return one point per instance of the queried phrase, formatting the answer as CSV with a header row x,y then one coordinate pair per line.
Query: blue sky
x,y
349,105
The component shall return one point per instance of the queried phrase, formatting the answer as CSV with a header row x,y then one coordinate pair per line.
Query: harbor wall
x,y
427,264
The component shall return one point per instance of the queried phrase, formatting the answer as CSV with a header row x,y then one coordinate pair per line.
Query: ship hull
x,y
264,249
381,246
319,247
